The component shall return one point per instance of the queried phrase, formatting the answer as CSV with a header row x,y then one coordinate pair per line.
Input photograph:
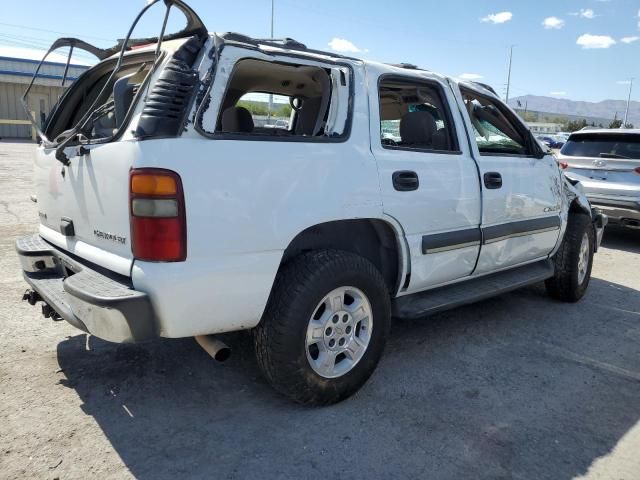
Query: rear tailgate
x,y
84,207
82,185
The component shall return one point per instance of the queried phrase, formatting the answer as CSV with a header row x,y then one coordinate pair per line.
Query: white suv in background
x,y
165,211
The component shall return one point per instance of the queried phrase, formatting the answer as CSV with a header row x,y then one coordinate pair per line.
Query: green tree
x,y
256,108
528,116
283,111
615,123
575,125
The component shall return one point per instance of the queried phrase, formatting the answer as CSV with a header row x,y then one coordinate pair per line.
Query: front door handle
x,y
492,180
405,181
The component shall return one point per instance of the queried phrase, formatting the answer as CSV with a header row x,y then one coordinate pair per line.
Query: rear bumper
x,y
97,302
625,210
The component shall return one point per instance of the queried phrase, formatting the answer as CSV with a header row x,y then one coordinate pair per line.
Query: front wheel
x,y
325,326
573,260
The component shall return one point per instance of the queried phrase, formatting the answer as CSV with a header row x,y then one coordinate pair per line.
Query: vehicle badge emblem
x,y
599,163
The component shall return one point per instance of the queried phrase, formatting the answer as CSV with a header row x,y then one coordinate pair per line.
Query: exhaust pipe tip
x,y
31,296
217,349
631,223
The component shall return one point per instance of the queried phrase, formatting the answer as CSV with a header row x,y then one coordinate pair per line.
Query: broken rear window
x,y
277,100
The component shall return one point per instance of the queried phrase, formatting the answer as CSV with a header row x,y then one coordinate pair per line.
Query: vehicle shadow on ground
x,y
621,238
518,386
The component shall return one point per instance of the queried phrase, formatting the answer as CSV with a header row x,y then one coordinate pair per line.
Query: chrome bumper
x,y
97,302
623,210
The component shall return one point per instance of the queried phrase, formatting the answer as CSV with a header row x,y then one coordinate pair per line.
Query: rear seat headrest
x,y
417,128
237,120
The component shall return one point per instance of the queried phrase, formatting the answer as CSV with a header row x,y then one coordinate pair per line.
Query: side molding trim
x,y
444,242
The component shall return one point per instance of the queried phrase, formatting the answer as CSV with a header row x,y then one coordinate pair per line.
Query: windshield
x,y
603,146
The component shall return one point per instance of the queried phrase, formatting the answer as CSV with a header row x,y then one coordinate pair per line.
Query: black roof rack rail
x,y
486,86
408,66
283,42
288,43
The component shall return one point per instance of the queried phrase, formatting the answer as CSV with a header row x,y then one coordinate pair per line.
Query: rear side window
x,y
415,115
607,145
283,101
495,129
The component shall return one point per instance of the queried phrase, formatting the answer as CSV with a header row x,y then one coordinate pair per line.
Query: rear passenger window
x,y
415,115
495,130
274,100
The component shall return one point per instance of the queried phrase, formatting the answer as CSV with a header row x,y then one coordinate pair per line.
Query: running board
x,y
469,291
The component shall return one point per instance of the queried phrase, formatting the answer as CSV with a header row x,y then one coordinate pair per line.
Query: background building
x,y
17,66
538,127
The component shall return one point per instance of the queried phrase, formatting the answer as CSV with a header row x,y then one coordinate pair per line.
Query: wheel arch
x,y
577,207
375,239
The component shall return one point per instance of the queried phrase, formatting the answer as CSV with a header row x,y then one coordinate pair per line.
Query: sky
x,y
575,49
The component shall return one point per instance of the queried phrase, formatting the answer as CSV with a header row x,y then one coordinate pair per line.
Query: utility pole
x,y
626,112
272,11
509,75
271,95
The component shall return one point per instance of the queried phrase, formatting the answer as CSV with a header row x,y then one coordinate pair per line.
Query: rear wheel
x,y
325,327
573,261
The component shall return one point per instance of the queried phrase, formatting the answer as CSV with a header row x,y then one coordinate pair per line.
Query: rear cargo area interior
x,y
307,87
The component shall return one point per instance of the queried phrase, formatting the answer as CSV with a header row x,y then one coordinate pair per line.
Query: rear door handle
x,y
405,180
492,180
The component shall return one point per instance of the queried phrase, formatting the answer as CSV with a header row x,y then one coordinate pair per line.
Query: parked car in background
x,y
551,141
607,164
281,123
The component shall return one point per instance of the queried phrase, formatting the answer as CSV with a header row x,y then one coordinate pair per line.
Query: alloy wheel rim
x,y
583,259
339,332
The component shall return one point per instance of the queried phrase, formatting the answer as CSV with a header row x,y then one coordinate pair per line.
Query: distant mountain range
x,y
606,109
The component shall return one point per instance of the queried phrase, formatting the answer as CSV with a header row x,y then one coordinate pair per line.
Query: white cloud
x,y
345,46
588,41
628,40
587,13
623,82
470,76
501,17
558,94
553,23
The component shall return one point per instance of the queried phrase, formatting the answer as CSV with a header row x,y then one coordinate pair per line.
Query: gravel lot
x,y
515,387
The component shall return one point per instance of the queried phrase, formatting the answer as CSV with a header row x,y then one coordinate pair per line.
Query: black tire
x,y
565,285
280,338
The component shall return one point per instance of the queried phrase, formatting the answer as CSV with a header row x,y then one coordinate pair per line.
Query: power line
x,y
36,42
24,27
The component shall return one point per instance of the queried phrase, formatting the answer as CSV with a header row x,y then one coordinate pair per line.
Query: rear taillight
x,y
637,170
157,213
563,165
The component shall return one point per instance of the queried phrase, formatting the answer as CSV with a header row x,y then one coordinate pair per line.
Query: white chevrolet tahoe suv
x,y
166,210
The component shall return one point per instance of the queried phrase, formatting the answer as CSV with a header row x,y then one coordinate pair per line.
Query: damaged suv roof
x,y
287,45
